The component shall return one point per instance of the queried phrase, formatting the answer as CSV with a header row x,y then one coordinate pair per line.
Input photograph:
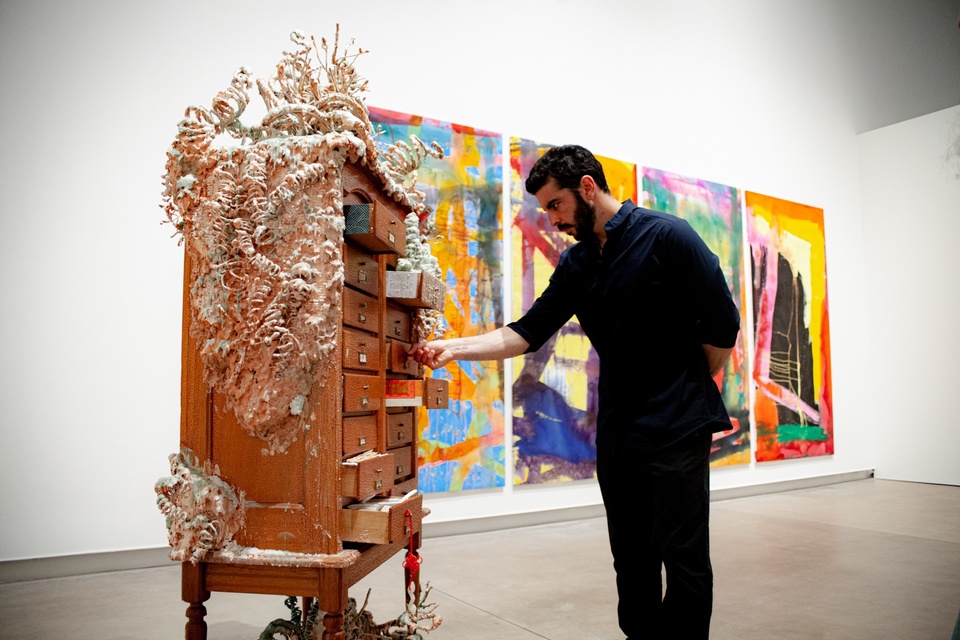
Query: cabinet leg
x,y
333,626
194,593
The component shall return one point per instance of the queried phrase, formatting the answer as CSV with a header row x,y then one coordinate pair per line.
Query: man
x,y
653,301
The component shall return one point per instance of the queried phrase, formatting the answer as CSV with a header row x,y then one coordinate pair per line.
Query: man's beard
x,y
584,218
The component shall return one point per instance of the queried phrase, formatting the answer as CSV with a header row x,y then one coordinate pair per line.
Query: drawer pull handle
x,y
363,305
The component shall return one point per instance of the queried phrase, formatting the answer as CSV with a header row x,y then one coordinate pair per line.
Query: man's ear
x,y
589,187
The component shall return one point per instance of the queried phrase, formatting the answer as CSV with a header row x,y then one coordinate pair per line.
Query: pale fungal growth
x,y
263,228
202,511
428,322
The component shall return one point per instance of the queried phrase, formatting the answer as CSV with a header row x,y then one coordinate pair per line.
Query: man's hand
x,y
430,354
496,345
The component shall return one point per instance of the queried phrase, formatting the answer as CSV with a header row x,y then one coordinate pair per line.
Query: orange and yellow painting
x,y
791,374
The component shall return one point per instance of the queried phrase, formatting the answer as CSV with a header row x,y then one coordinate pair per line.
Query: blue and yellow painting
x,y
463,447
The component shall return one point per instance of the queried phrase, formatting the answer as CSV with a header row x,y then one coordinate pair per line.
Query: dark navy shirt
x,y
647,302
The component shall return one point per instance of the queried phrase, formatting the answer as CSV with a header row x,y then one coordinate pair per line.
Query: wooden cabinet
x,y
303,502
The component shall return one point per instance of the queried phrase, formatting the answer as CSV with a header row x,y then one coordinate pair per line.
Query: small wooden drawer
x,y
397,361
361,393
360,350
417,289
375,227
359,434
404,461
366,478
400,428
361,270
436,393
398,324
360,310
383,526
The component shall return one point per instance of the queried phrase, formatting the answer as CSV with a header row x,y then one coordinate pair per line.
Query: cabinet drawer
x,y
359,434
397,361
360,310
398,324
399,428
361,270
360,350
387,525
361,393
436,393
404,462
375,227
416,289
368,477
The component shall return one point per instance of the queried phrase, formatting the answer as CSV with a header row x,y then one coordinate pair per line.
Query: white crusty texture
x,y
262,223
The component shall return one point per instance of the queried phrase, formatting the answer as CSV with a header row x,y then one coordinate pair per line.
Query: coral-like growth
x,y
263,227
203,512
358,623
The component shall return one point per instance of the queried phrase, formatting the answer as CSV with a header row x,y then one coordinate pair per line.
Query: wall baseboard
x,y
101,562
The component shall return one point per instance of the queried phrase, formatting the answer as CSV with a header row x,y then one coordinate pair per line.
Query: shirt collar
x,y
614,226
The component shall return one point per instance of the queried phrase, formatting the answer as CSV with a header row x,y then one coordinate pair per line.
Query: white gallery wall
x,y
910,186
760,95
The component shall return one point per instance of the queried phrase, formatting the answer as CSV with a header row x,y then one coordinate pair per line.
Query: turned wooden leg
x,y
194,593
333,626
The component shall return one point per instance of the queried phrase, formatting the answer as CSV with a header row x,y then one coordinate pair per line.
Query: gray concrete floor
x,y
864,559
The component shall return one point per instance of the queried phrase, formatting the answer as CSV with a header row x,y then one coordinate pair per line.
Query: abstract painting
x,y
554,390
713,210
791,371
463,447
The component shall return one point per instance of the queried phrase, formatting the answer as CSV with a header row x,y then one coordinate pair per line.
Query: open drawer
x,y
367,475
383,526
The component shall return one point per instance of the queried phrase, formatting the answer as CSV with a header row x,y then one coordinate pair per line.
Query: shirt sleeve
x,y
549,312
703,287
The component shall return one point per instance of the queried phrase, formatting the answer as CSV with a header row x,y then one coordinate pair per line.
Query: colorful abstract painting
x,y
713,210
791,371
463,447
554,390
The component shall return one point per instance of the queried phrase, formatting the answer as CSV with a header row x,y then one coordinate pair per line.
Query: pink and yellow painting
x,y
463,447
791,372
554,389
714,212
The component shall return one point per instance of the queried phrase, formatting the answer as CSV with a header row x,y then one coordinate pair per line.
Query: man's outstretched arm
x,y
496,345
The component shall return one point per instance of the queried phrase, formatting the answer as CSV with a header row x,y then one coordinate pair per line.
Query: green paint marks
x,y
794,432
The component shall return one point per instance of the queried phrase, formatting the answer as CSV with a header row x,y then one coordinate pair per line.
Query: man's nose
x,y
553,217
